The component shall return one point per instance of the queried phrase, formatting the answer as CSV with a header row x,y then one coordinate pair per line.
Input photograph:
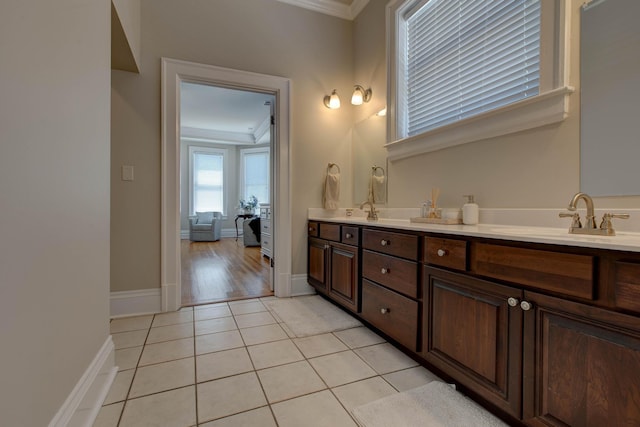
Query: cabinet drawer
x,y
393,314
350,235
445,252
265,226
627,285
568,274
402,245
396,273
312,229
330,231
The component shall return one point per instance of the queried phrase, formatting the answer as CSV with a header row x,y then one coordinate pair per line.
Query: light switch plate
x,y
127,173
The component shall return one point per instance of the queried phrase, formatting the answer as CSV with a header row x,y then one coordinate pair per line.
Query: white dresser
x,y
266,241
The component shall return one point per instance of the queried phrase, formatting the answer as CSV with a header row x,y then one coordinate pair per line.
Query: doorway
x,y
226,146
173,73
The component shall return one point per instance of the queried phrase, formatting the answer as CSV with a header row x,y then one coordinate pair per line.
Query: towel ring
x,y
332,165
375,169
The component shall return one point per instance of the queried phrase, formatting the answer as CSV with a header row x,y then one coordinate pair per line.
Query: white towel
x,y
377,188
331,191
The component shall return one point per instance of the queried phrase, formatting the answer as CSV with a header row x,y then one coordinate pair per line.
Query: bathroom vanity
x,y
542,330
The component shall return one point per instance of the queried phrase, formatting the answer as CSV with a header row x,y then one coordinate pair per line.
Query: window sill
x,y
544,109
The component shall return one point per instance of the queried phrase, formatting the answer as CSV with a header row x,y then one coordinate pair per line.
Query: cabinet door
x,y
582,365
343,277
317,263
471,332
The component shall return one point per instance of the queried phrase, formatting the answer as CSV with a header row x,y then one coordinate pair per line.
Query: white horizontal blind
x,y
208,175
465,57
255,167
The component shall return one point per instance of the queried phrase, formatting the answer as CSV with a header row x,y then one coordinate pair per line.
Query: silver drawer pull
x,y
441,252
385,270
512,301
526,305
385,242
348,236
385,310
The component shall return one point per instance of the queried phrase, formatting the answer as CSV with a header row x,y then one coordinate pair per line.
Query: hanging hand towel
x,y
331,190
377,187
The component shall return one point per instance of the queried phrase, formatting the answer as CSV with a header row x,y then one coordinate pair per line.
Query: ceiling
x,y
231,116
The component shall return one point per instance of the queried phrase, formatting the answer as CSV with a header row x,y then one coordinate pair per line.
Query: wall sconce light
x,y
332,101
360,95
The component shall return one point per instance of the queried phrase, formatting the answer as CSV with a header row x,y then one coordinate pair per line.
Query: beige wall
x,y
263,36
54,192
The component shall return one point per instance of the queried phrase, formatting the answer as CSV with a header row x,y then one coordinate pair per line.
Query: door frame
x,y
173,73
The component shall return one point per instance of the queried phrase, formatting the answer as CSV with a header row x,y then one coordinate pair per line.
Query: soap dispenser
x,y
470,211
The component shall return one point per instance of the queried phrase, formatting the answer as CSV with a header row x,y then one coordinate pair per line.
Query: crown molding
x,y
216,136
331,7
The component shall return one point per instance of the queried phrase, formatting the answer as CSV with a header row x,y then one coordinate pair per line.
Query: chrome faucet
x,y
606,227
372,215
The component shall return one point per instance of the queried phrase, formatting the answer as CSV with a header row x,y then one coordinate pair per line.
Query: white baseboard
x,y
83,404
134,303
225,232
299,285
170,298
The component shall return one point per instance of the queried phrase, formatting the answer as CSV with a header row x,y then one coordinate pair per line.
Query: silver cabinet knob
x,y
385,270
384,242
348,236
441,252
526,305
513,302
385,310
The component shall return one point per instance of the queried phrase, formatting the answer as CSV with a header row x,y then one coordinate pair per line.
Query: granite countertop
x,y
623,240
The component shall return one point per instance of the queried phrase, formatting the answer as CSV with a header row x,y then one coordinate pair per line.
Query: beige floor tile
x,y
341,368
130,324
173,318
212,366
249,307
162,376
213,312
109,415
120,387
288,381
319,345
173,408
127,358
359,337
385,358
410,378
228,396
219,341
255,319
320,409
170,333
262,334
212,326
361,392
129,339
243,301
166,351
274,354
261,417
205,306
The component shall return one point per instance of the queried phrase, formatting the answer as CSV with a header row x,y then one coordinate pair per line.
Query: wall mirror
x,y
368,152
610,93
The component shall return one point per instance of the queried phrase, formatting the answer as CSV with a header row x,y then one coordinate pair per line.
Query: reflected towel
x,y
377,189
331,191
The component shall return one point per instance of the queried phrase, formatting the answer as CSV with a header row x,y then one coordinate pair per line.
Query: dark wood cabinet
x,y
471,332
582,364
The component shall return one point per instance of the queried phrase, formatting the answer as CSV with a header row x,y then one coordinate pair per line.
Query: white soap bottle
x,y
470,211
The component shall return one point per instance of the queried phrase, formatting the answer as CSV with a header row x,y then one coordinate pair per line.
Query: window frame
x,y
551,105
241,180
193,150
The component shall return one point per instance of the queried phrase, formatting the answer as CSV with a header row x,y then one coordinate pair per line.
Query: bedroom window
x,y
466,70
254,173
207,179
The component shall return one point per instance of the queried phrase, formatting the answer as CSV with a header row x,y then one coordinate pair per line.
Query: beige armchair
x,y
205,227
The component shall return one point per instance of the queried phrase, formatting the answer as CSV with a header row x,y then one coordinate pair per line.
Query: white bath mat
x,y
311,315
436,404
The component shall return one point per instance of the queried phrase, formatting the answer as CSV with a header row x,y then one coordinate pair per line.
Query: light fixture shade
x,y
360,95
332,101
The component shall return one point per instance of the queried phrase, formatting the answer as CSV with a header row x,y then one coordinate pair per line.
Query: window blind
x,y
461,58
256,175
208,182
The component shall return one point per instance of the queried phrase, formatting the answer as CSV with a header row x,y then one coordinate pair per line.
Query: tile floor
x,y
235,364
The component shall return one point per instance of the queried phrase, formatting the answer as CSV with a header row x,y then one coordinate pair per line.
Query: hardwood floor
x,y
222,271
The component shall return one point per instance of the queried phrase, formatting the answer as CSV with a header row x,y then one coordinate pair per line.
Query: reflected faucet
x,y
372,215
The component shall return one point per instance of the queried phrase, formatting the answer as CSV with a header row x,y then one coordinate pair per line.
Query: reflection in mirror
x,y
368,151
609,92
377,185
